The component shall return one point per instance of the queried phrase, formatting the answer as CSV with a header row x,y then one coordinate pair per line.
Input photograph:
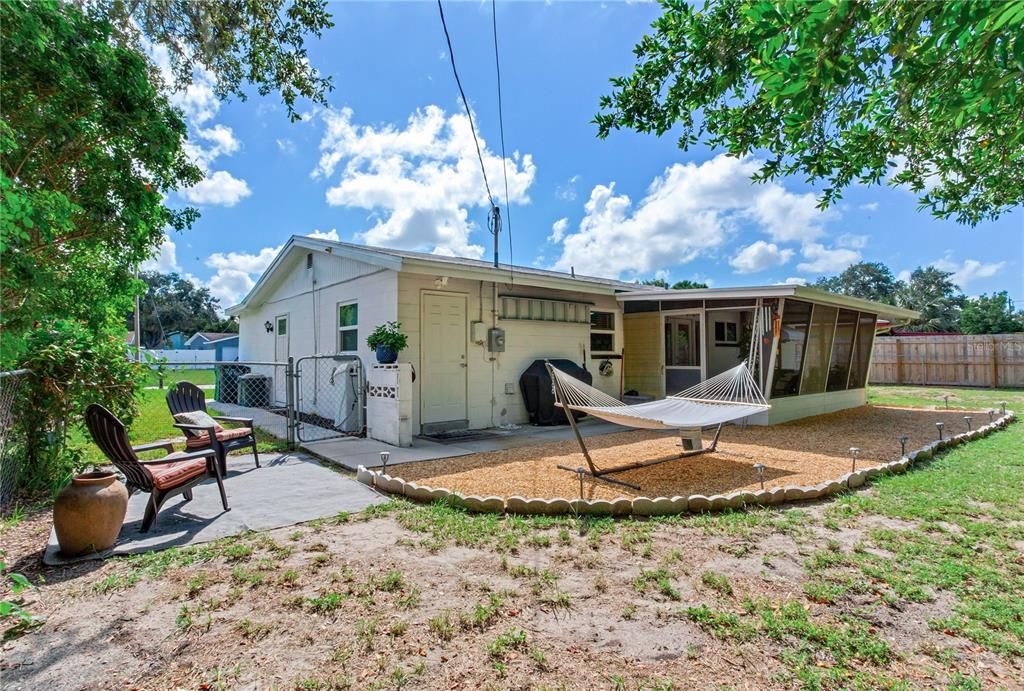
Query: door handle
x,y
463,364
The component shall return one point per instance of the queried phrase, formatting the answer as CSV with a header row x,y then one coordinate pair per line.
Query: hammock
x,y
727,397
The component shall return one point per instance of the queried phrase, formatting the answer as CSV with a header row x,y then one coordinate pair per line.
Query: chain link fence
x,y
330,397
10,383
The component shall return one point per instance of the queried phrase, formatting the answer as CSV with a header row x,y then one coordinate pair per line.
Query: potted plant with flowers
x,y
388,341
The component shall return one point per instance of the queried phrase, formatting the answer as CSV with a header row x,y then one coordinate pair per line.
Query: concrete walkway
x,y
288,489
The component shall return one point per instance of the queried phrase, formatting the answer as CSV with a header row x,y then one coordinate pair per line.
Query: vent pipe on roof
x,y
572,270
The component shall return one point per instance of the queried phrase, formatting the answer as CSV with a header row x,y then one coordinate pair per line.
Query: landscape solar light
x,y
1003,404
579,473
759,467
385,456
991,414
854,452
945,397
967,419
903,444
940,425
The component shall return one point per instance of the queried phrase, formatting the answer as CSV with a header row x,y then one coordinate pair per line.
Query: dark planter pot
x,y
386,356
89,512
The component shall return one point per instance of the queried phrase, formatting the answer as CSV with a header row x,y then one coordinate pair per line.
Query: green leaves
x,y
835,90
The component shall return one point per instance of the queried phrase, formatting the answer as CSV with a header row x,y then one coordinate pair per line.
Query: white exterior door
x,y
444,366
281,347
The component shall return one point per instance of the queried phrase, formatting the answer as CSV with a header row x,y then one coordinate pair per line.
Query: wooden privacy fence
x,y
949,360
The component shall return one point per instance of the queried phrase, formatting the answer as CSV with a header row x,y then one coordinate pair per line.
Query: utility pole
x,y
138,323
495,229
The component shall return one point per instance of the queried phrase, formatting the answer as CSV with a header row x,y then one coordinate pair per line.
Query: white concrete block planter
x,y
664,506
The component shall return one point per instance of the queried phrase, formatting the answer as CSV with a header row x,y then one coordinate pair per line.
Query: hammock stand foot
x,y
599,473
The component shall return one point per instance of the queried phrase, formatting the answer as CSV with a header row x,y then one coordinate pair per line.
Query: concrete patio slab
x,y
288,489
352,452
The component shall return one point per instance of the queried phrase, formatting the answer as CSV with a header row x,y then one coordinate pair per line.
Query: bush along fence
x,y
662,506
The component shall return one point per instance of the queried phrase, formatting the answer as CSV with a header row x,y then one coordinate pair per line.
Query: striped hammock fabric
x,y
729,396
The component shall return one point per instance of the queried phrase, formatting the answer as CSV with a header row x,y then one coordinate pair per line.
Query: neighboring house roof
x,y
890,312
423,262
210,336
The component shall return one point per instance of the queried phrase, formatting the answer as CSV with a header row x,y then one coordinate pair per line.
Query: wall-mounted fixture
x,y
268,326
441,282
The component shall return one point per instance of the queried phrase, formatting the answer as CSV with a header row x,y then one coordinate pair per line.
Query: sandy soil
x,y
804,452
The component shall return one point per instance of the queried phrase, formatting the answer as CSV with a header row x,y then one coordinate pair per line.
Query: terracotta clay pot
x,y
89,513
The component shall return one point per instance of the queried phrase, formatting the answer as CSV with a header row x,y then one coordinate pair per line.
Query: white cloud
x,y
851,241
558,230
286,146
795,281
236,272
688,211
759,256
567,192
903,275
165,260
220,188
968,270
870,206
821,259
200,105
422,179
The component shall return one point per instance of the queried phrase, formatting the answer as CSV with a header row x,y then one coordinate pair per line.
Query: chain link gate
x,y
329,397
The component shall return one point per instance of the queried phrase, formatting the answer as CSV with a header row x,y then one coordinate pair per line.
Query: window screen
x,y
796,317
818,350
862,350
842,349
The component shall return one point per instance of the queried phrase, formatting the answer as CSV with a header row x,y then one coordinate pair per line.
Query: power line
x,y
465,103
501,129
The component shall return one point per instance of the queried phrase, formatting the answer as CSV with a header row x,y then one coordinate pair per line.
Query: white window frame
x,y
610,332
725,329
353,327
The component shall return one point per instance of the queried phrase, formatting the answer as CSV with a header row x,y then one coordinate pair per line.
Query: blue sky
x,y
391,162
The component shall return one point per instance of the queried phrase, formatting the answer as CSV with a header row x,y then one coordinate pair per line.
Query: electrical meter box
x,y
478,332
496,340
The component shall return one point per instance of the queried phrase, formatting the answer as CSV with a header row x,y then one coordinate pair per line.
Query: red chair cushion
x,y
171,475
202,441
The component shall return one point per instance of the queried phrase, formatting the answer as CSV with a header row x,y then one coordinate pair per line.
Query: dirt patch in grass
x,y
804,452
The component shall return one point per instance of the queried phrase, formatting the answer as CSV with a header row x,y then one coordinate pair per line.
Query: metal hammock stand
x,y
726,397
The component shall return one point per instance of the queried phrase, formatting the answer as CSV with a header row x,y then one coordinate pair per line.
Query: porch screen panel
x,y
796,317
862,350
842,350
819,349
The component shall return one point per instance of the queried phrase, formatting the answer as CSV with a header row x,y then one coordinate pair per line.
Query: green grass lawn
x,y
199,377
933,397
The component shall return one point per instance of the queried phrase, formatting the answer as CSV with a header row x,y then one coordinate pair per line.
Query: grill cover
x,y
535,385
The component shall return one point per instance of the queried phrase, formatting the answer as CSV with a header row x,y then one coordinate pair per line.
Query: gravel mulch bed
x,y
803,452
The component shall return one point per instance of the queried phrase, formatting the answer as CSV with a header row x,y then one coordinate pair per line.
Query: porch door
x,y
683,352
281,352
443,394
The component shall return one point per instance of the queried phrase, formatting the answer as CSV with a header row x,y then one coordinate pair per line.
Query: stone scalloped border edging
x,y
664,506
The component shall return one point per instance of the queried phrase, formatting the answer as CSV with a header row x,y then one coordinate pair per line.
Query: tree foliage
x,y
926,93
173,303
236,42
685,284
867,280
993,314
88,149
933,293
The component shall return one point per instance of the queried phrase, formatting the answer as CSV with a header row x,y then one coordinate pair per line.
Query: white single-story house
x,y
473,329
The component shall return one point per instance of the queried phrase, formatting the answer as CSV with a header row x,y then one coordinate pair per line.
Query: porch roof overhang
x,y
890,312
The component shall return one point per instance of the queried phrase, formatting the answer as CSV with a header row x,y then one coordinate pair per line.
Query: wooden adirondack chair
x,y
186,397
176,473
